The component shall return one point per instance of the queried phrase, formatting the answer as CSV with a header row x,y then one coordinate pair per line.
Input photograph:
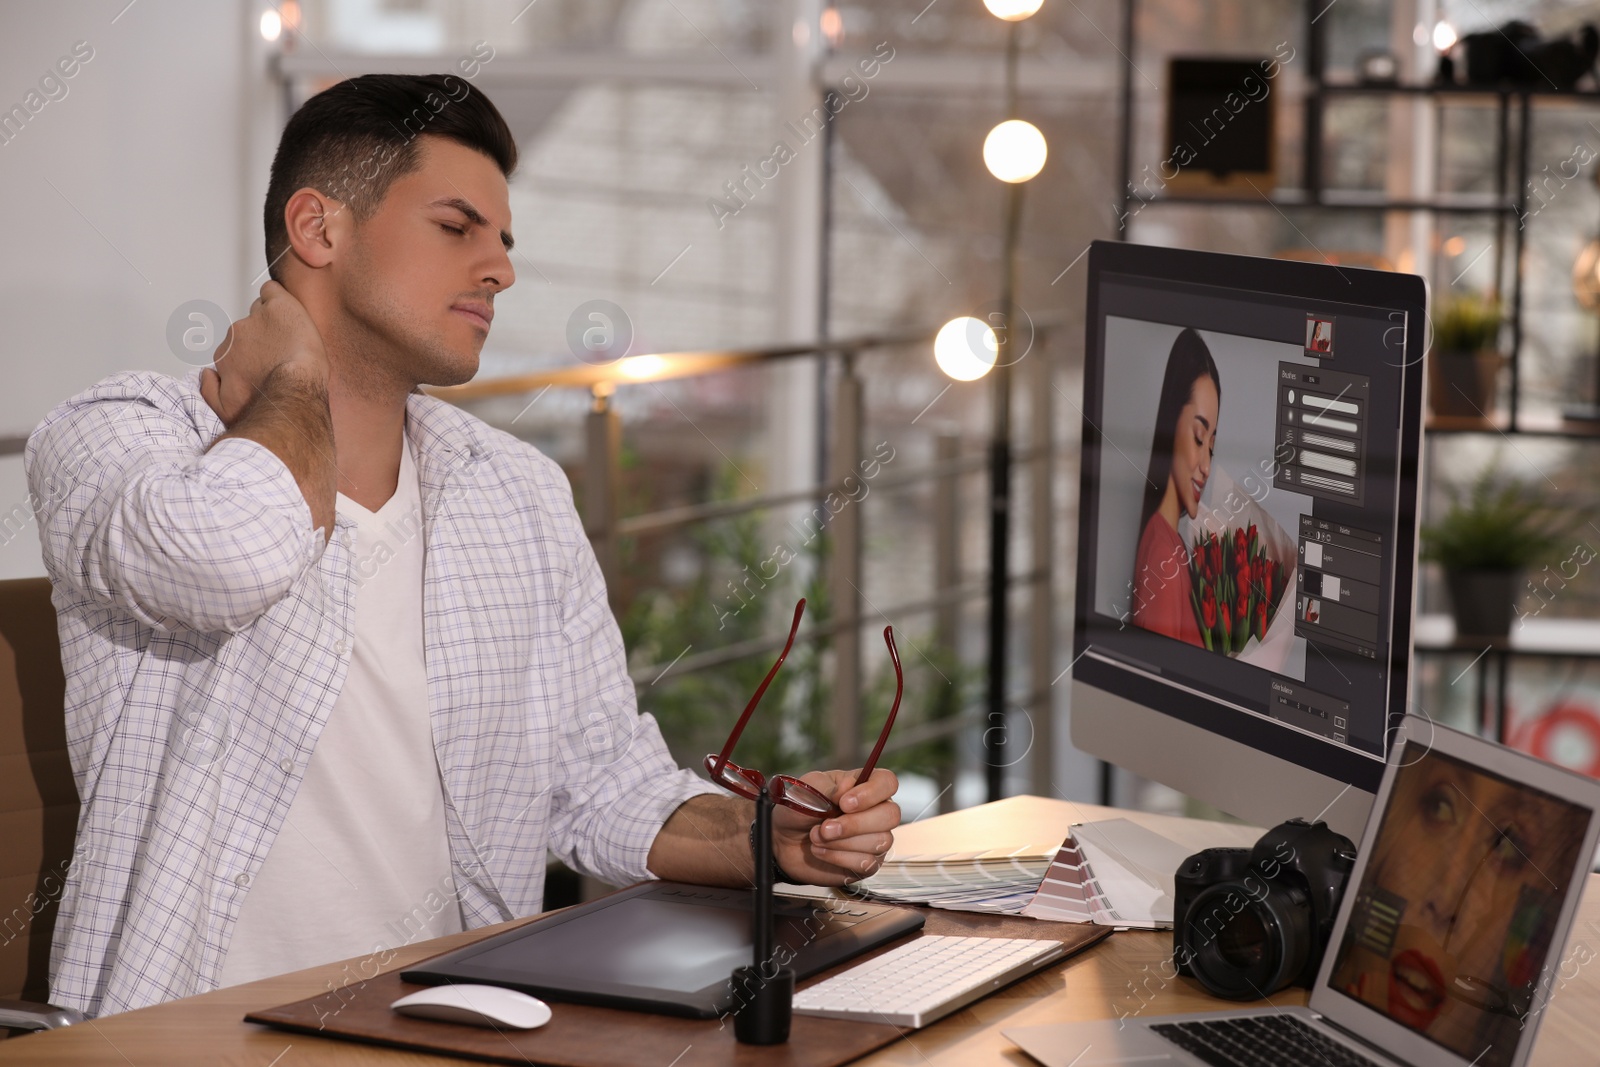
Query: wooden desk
x,y
1124,975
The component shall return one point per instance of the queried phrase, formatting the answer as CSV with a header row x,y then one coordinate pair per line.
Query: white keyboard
x,y
925,979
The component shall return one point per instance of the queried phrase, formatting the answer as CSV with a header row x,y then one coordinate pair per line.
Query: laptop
x,y
1449,935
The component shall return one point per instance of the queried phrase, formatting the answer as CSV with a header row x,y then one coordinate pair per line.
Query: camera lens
x,y
1246,939
1242,943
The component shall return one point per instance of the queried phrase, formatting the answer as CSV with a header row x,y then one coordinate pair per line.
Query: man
x,y
340,666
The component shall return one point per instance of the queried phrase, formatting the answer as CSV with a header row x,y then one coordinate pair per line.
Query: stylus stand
x,y
763,991
764,1005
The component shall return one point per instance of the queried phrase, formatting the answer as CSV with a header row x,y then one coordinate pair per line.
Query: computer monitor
x,y
1251,430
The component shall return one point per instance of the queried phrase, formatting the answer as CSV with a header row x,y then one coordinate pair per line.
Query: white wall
x,y
138,190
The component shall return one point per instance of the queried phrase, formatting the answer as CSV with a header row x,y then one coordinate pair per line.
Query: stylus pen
x,y
763,910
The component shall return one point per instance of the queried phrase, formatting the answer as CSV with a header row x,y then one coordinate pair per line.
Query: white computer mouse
x,y
476,1005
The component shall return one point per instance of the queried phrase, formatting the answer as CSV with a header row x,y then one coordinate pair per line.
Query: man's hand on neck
x,y
270,385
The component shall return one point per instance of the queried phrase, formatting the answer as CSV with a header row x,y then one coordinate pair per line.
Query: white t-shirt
x,y
362,863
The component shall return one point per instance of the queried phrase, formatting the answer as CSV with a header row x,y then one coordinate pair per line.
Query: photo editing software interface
x,y
1243,520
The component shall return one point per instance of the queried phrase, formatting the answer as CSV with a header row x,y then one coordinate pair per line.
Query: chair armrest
x,y
27,1015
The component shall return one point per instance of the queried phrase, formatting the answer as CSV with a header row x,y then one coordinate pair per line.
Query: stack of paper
x,y
980,859
962,881
1010,857
1120,873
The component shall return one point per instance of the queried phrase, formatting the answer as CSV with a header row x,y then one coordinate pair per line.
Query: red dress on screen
x,y
1161,584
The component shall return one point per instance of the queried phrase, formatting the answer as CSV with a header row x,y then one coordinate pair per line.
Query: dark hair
x,y
1189,361
351,141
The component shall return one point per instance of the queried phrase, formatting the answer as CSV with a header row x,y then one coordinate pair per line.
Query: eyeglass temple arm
x,y
899,687
738,727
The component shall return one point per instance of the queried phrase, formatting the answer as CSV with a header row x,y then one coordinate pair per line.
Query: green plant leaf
x,y
1497,524
1466,324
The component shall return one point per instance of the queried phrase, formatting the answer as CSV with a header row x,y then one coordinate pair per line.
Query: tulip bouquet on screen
x,y
1238,587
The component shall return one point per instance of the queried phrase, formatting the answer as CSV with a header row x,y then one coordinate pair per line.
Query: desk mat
x,y
583,1035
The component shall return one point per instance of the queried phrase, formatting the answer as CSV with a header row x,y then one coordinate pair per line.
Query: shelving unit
x,y
1564,639
1507,206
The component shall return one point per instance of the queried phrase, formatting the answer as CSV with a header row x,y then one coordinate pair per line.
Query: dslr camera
x,y
1249,921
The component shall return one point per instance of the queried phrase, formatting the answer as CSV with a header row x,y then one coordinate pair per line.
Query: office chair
x,y
38,804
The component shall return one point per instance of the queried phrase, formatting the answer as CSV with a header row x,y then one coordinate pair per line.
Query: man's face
x,y
412,269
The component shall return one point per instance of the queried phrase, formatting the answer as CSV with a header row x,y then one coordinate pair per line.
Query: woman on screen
x,y
1456,912
1180,463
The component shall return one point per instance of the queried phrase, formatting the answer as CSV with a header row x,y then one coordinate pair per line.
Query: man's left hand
x,y
846,847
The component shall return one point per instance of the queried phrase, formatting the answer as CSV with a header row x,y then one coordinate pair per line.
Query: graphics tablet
x,y
664,947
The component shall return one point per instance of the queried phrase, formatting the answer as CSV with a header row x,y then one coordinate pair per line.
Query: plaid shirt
x,y
206,632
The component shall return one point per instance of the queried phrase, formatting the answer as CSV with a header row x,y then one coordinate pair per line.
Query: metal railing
x,y
607,527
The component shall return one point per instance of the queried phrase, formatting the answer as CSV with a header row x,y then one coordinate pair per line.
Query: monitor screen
x,y
1455,917
1247,539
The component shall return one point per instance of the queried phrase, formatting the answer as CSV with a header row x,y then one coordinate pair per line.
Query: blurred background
x,y
653,216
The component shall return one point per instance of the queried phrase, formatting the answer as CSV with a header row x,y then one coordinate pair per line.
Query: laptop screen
x,y
1455,917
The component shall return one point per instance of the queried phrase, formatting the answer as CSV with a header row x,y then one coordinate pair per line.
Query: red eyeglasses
x,y
786,789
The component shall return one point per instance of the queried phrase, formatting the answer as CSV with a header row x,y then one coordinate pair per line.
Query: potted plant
x,y
1492,533
1465,361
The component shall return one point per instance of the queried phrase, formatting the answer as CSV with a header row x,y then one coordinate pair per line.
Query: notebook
x,y
1448,938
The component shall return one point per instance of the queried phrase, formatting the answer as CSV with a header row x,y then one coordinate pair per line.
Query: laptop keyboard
x,y
1260,1041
